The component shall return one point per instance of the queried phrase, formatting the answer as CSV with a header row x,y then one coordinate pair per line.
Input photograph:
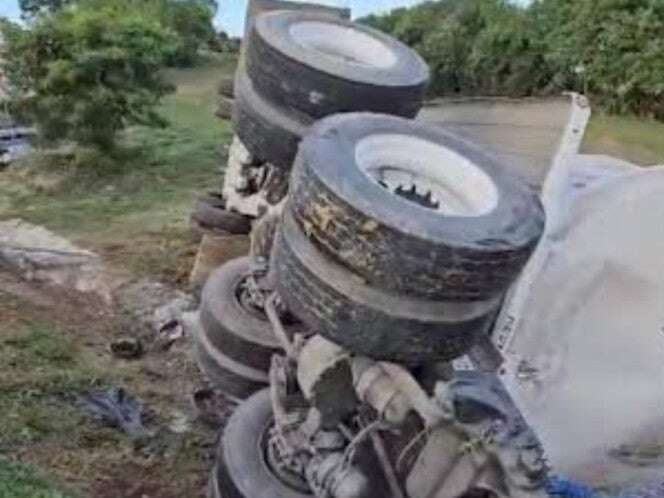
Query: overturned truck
x,y
367,333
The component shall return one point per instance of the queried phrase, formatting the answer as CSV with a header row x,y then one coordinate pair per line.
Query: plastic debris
x,y
115,408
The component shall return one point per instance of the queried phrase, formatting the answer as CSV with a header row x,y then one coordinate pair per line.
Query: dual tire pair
x,y
233,343
398,241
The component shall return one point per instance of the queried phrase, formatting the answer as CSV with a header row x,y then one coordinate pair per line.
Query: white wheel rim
x,y
427,175
343,43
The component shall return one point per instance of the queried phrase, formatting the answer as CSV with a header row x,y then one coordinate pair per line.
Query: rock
x,y
153,305
36,254
169,316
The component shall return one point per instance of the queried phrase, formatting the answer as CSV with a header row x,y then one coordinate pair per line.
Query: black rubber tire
x,y
226,87
286,71
268,131
230,377
341,307
224,108
398,245
243,336
241,468
210,212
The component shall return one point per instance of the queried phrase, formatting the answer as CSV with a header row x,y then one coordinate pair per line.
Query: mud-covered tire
x,y
268,131
322,65
210,213
369,321
469,246
241,470
242,335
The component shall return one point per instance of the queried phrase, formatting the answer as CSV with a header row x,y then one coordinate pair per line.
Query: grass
x,y
133,207
47,361
21,481
638,140
40,368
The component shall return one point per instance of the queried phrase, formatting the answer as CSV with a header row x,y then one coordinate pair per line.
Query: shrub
x,y
87,72
612,50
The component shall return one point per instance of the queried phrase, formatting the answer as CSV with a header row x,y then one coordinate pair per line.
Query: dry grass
x,y
638,140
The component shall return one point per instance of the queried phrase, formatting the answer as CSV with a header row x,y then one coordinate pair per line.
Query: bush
x,y
85,73
191,20
612,50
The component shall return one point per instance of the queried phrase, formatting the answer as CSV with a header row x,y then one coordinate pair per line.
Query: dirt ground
x,y
54,346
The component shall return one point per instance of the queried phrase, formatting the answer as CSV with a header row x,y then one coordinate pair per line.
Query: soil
x,y
174,461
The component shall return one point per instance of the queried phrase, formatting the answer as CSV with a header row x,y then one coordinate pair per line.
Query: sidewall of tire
x,y
318,93
268,131
382,326
231,329
242,470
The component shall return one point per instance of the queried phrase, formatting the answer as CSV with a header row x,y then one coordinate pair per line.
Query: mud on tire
x,y
412,209
369,321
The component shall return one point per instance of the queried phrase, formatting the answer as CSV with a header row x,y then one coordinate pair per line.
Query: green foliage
x,y
225,44
34,7
191,20
88,71
613,50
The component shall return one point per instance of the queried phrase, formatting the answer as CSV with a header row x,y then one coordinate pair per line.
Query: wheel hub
x,y
250,298
285,463
412,194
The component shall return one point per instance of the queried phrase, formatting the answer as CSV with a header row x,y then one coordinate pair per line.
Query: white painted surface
x,y
340,42
459,187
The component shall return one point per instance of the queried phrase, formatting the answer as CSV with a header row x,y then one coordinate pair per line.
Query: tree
x,y
192,22
85,73
31,8
612,50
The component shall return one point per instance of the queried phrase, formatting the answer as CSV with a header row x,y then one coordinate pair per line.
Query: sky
x,y
231,12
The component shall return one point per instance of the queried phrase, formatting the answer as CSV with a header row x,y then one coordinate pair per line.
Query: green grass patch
x,y
21,481
638,140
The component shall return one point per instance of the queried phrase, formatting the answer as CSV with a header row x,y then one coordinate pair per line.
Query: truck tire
x,y
369,321
224,108
226,87
242,470
232,378
269,132
413,209
322,65
210,213
243,335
